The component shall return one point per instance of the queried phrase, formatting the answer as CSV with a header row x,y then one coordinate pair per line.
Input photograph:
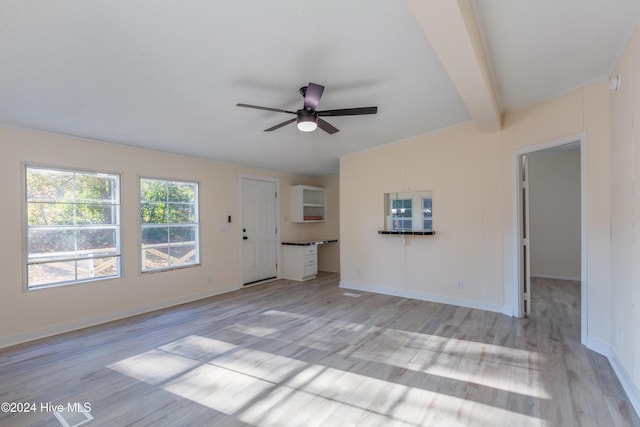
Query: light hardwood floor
x,y
306,354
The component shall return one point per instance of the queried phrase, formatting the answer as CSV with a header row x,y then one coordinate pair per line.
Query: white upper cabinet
x,y
307,204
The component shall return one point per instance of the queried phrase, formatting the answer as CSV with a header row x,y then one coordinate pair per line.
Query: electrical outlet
x,y
359,274
459,284
210,280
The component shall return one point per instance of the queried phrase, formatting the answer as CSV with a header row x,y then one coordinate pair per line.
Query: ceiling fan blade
x,y
257,107
349,111
279,125
312,96
327,127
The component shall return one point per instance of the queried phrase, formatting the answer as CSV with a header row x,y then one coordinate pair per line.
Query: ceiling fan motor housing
x,y
307,120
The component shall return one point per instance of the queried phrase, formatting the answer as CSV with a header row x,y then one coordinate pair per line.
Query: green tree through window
x,y
169,224
73,226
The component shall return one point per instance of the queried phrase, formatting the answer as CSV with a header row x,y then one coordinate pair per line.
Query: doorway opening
x,y
549,216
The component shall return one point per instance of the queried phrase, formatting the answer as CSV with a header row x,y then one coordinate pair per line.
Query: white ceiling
x,y
166,74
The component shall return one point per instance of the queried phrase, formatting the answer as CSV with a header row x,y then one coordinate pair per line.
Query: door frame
x,y
517,213
242,177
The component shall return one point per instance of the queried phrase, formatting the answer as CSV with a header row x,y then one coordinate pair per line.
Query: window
x,y
427,213
169,224
72,226
402,214
408,212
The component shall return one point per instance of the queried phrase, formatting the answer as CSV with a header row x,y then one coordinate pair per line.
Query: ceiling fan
x,y
308,118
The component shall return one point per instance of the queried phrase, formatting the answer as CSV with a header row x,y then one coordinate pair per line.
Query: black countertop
x,y
310,242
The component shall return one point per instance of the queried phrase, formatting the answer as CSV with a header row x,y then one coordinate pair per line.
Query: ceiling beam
x,y
451,29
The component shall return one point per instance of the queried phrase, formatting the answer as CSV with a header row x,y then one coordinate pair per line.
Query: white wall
x,y
554,212
472,178
28,315
625,214
462,169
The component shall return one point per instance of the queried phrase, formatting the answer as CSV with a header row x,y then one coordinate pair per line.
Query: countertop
x,y
309,242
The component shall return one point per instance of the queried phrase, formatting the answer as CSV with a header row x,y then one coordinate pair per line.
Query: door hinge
x,y
526,296
276,195
525,241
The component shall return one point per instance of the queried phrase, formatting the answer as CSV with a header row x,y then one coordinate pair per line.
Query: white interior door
x,y
259,230
525,271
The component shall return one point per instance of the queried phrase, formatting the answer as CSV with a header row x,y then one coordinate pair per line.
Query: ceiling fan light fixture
x,y
307,121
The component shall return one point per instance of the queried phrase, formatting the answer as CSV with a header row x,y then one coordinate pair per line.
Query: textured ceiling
x,y
167,74
538,49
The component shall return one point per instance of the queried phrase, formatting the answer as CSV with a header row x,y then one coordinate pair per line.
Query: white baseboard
x,y
480,305
550,276
104,318
632,390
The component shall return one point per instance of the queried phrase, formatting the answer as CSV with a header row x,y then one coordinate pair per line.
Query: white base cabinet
x,y
300,262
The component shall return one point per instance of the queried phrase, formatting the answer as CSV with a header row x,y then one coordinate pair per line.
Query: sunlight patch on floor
x,y
256,331
259,387
154,366
197,347
218,388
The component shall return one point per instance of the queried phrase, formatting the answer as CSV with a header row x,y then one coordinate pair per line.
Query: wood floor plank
x,y
303,353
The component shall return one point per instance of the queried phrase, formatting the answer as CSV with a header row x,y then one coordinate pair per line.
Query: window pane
x,y
181,213
153,213
181,192
95,187
43,213
97,267
152,190
182,234
427,214
51,273
51,243
98,242
96,214
183,255
183,248
155,259
49,185
155,235
155,248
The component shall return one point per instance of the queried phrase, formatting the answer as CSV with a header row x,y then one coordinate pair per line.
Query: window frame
x,y
400,217
142,225
426,217
26,228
